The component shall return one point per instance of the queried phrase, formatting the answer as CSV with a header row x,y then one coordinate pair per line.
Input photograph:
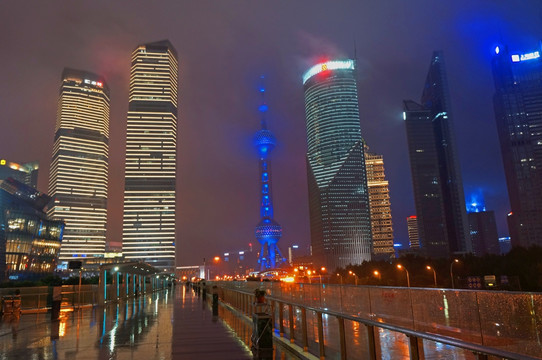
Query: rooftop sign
x,y
524,57
329,65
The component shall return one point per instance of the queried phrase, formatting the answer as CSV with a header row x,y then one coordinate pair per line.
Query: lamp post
x,y
377,274
401,267
309,273
341,278
434,274
355,276
452,272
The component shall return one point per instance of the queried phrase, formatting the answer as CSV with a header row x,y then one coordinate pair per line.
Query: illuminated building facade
x,y
338,194
518,113
436,176
413,235
151,154
79,166
379,201
29,239
26,173
268,231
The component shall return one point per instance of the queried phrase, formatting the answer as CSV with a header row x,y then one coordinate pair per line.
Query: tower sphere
x,y
268,231
264,141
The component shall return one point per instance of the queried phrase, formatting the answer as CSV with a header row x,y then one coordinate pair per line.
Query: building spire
x,y
263,106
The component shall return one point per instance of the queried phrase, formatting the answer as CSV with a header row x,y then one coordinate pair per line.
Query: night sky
x,y
224,47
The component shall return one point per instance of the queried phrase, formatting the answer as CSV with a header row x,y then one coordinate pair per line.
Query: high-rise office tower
x,y
379,201
78,175
26,173
338,195
413,234
518,112
483,230
148,232
436,176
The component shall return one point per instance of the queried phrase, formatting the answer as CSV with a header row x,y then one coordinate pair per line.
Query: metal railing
x,y
39,298
367,320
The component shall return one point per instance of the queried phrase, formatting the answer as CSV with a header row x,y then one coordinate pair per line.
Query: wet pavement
x,y
171,324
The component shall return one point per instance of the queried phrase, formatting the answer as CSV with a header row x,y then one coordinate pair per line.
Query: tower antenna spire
x,y
263,106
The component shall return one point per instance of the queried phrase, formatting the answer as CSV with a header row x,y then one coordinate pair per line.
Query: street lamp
x,y
355,276
401,267
452,272
377,274
309,273
434,274
339,275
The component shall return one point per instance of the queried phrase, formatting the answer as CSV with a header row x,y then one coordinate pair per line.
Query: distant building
x,y
518,113
436,176
78,176
379,201
338,193
26,173
413,234
504,244
30,240
483,232
151,157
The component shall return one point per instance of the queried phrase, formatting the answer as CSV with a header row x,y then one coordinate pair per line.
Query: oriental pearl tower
x,y
268,231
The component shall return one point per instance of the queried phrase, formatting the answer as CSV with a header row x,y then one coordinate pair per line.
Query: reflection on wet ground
x,y
176,324
171,324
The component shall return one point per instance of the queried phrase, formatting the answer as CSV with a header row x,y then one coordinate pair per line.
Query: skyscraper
x,y
151,155
413,234
338,194
436,176
78,175
518,112
268,231
379,201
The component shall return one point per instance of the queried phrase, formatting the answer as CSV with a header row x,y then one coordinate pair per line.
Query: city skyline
x,y
390,72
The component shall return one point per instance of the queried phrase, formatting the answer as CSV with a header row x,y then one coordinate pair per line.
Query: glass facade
x,y
436,176
151,156
380,205
29,240
518,113
338,193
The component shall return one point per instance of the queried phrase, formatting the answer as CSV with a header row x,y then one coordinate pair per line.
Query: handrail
x,y
476,348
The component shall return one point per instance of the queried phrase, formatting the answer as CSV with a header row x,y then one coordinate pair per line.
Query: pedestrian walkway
x,y
196,335
166,325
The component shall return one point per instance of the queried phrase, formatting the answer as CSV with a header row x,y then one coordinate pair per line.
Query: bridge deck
x,y
165,325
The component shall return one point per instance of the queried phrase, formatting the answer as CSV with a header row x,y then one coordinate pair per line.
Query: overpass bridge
x,y
370,322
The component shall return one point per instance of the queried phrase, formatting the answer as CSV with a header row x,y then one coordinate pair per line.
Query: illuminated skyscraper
x,y
338,195
268,231
379,200
518,112
436,176
151,154
78,175
413,235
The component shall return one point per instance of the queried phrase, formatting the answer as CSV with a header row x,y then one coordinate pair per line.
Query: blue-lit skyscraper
x,y
518,112
338,193
268,231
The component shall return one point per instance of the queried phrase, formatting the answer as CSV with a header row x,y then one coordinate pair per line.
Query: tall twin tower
x,y
78,179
